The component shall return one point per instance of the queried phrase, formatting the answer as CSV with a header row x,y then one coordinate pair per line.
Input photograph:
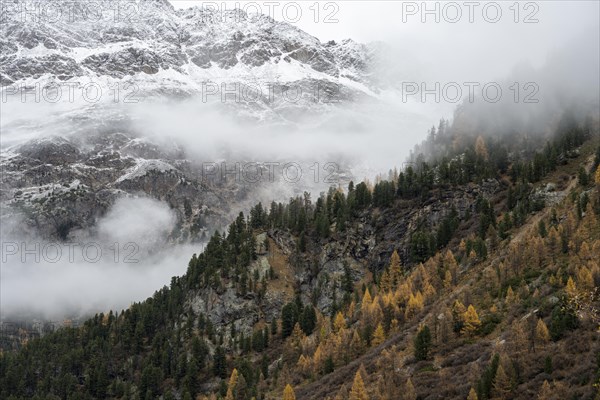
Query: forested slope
x,y
470,274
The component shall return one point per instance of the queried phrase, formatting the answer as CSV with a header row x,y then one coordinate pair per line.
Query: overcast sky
x,y
366,21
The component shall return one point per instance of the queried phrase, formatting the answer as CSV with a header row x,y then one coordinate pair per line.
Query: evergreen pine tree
x,y
422,343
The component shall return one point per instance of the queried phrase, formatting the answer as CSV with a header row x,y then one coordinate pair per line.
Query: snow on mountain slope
x,y
153,37
149,52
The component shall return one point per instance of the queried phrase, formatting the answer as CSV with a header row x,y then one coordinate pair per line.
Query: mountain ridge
x,y
195,42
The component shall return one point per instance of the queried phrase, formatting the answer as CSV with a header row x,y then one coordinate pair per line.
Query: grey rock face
x,y
61,67
319,61
55,185
55,151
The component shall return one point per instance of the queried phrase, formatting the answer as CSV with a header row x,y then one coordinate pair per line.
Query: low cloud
x,y
126,259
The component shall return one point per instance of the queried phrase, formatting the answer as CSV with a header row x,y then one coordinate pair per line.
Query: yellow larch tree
x,y
429,290
518,336
366,301
420,299
471,321
571,289
231,386
351,309
333,346
386,282
342,394
490,279
394,325
472,256
444,326
339,323
511,297
419,276
545,392
378,336
305,365
363,372
358,391
357,345
553,240
450,263
414,305
293,346
288,393
402,293
596,246
409,391
395,269
472,395
481,148
502,384
381,392
318,357
323,322
449,259
462,247
585,279
448,279
584,251
375,313
458,312
541,332
388,300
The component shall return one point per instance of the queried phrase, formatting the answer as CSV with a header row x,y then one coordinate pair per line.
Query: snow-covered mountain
x,y
167,51
64,163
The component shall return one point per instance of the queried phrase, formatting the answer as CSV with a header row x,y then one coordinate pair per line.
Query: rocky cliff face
x,y
363,250
57,185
